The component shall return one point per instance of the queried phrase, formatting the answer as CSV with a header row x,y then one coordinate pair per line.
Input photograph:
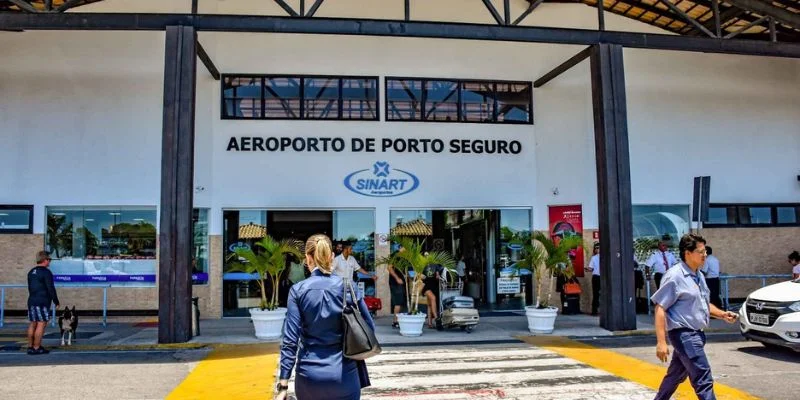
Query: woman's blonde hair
x,y
319,247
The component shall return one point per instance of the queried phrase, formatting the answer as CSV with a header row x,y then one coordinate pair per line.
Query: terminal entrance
x,y
244,227
485,242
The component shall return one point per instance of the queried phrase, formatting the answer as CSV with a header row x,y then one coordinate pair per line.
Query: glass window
x,y
653,222
404,99
477,102
515,231
282,97
514,102
788,215
441,100
16,219
360,99
321,98
241,97
721,215
102,244
414,223
200,246
755,215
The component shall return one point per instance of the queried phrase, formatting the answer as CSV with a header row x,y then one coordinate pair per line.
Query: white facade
x,y
80,119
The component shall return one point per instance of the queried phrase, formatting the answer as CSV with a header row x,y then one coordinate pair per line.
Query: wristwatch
x,y
281,388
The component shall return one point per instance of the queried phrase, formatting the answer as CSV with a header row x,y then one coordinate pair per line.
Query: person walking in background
x,y
794,260
41,294
711,272
682,313
314,327
397,287
660,261
345,265
594,268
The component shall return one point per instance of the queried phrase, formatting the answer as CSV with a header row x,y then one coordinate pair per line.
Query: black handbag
x,y
359,341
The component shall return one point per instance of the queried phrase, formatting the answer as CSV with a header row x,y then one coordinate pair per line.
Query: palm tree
x,y
269,263
547,259
414,258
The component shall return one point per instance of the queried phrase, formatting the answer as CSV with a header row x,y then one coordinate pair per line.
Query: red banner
x,y
568,221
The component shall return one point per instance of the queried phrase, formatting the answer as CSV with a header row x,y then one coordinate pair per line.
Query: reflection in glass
x,y
321,98
404,99
441,101
513,102
102,241
788,215
722,215
477,101
515,231
357,227
200,240
282,97
242,97
359,99
15,220
654,221
755,215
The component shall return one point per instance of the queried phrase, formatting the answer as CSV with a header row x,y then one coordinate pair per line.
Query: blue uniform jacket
x,y
313,333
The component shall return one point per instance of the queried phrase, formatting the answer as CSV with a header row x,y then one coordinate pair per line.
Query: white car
x,y
771,315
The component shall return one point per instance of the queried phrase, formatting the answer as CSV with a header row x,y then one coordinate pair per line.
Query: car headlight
x,y
795,307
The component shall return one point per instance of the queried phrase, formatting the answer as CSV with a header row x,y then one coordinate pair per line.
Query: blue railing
x,y
53,321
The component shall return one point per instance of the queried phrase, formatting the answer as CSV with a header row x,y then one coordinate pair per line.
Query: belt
x,y
686,330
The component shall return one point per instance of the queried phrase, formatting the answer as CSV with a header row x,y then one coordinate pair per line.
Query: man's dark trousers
x,y
713,288
688,359
595,293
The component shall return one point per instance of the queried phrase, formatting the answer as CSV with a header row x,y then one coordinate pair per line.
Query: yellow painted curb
x,y
626,367
232,372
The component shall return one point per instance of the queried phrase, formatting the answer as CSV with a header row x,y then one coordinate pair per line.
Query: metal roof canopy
x,y
389,28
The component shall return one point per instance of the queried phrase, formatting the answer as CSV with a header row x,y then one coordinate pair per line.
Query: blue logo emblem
x,y
382,181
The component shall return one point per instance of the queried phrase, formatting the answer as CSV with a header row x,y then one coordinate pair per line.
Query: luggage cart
x,y
455,310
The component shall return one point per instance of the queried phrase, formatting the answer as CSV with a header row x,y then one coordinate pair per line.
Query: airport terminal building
x,y
454,142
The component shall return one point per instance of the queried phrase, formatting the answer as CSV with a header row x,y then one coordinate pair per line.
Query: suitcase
x,y
572,304
373,303
460,317
458,302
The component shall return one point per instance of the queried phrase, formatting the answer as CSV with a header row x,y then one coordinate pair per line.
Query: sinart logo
x,y
381,181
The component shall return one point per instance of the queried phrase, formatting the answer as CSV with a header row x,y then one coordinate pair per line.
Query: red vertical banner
x,y
568,221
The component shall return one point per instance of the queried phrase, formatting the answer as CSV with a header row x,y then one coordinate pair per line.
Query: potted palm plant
x,y
547,260
268,263
414,258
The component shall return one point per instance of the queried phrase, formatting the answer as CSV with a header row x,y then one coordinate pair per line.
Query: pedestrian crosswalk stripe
x,y
508,372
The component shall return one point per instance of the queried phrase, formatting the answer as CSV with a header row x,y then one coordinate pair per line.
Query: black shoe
x,y
31,351
41,350
395,325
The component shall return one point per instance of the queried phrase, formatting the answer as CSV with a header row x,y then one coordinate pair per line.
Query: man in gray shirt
x,y
682,313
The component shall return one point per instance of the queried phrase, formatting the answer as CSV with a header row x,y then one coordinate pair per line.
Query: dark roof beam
x,y
532,6
289,10
48,5
24,5
689,19
783,16
67,5
564,67
493,11
746,27
207,61
314,8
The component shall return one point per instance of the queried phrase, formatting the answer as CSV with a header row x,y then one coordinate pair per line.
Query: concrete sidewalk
x,y
144,333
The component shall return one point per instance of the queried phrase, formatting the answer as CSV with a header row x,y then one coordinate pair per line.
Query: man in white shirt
x,y
594,268
461,268
345,265
660,261
711,271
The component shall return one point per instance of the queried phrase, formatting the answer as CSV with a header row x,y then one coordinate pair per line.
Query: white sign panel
x,y
508,285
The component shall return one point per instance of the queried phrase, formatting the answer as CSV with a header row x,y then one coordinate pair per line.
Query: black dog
x,y
68,322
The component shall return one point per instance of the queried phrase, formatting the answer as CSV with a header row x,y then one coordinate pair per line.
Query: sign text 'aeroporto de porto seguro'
x,y
373,145
381,181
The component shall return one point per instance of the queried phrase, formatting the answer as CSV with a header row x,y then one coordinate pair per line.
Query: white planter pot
x,y
268,324
411,325
541,320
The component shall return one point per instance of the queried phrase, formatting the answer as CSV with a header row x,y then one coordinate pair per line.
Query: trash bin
x,y
571,305
195,316
527,282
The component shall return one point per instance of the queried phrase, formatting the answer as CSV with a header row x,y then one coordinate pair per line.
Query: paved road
x,y
767,373
488,372
95,375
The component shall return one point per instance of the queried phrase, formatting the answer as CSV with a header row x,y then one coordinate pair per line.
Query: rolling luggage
x,y
465,318
458,302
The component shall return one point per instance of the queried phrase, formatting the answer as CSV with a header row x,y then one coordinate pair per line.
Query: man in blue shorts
x,y
41,293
